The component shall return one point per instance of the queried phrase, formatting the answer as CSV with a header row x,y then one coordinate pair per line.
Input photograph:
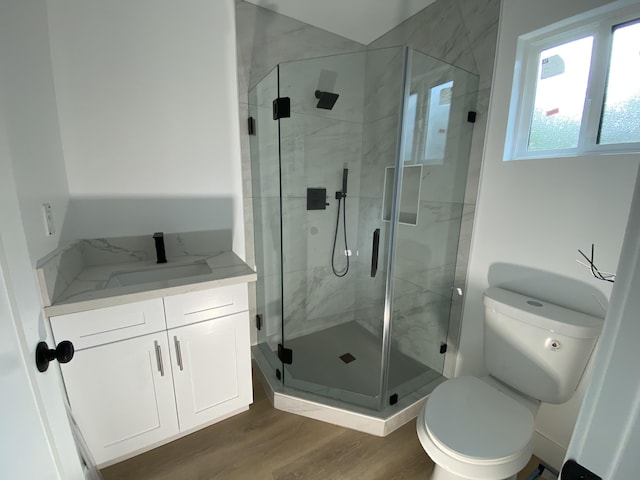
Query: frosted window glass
x,y
563,75
621,111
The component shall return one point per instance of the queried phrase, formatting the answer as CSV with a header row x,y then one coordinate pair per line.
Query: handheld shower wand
x,y
341,196
343,192
345,174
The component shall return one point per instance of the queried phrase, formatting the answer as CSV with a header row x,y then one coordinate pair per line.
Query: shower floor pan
x,y
337,374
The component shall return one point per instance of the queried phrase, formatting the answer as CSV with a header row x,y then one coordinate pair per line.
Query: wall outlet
x,y
49,224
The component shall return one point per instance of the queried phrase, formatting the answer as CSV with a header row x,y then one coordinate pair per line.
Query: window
x,y
427,123
578,90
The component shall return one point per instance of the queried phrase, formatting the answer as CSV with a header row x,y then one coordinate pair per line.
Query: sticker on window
x,y
551,66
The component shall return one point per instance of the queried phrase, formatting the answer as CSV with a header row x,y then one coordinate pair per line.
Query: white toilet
x,y
482,428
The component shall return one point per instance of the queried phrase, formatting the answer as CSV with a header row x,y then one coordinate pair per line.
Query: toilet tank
x,y
538,348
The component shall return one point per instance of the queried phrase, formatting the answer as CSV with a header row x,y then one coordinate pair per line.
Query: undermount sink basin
x,y
158,274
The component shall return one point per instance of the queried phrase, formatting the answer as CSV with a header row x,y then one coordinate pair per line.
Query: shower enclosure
x,y
359,165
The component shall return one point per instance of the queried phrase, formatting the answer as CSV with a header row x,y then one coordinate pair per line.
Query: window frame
x,y
526,78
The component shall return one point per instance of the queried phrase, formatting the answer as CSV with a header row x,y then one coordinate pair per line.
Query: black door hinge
x,y
251,125
259,322
471,117
281,108
285,354
443,348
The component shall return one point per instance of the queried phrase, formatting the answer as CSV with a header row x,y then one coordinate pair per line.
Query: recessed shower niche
x,y
409,204
369,277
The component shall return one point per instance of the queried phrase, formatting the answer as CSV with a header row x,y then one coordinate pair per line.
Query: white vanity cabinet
x,y
146,373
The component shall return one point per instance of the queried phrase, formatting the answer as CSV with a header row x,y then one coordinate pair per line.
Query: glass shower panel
x,y
265,178
333,306
436,148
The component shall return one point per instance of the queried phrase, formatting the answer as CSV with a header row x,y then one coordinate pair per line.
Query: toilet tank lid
x,y
543,314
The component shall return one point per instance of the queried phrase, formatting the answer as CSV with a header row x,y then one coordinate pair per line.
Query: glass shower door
x,y
334,281
435,158
265,178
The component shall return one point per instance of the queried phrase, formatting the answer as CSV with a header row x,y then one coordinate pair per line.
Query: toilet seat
x,y
470,419
476,431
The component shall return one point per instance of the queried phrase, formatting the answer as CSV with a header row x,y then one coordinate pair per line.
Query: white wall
x,y
359,20
32,120
147,98
36,439
533,216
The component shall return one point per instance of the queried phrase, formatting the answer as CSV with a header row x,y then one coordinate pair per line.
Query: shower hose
x,y
340,273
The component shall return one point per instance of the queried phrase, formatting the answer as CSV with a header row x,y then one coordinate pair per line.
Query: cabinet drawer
x,y
200,306
110,324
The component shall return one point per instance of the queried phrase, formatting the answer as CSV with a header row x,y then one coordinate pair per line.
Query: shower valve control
x,y
552,344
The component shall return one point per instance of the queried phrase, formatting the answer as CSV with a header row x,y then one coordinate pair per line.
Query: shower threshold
x,y
336,412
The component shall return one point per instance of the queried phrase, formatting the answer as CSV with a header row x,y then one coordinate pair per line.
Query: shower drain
x,y
347,358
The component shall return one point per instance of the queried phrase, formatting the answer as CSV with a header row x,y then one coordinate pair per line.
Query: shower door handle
x,y
374,252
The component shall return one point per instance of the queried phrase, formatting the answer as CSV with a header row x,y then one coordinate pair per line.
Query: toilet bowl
x,y
481,428
471,430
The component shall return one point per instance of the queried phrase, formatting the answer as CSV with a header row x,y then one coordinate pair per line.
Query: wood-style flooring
x,y
265,443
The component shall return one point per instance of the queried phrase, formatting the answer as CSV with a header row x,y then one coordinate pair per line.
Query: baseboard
x,y
549,451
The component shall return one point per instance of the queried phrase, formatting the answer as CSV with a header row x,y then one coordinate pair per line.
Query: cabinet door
x,y
121,395
211,364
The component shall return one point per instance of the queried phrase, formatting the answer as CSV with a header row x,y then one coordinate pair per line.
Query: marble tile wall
x,y
315,150
265,39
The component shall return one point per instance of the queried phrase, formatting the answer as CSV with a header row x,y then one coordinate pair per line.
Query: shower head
x,y
326,100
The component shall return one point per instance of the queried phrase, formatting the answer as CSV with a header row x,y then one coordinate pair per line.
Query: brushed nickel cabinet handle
x,y
159,359
178,352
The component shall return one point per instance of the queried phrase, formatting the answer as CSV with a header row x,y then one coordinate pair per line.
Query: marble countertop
x,y
87,290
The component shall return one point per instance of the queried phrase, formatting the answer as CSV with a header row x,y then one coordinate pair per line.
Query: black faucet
x,y
160,254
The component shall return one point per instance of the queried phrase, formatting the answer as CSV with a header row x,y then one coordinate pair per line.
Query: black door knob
x,y
63,353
